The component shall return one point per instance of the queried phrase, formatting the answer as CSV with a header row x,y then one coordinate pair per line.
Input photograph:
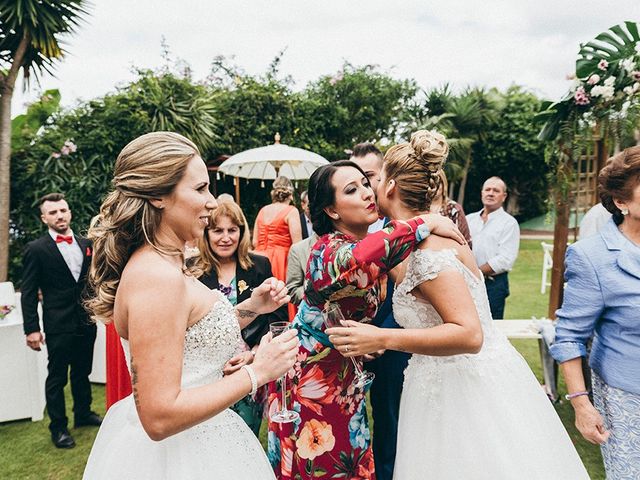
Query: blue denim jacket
x,y
602,299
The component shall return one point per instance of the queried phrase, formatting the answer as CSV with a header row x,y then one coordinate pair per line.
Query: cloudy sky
x,y
464,42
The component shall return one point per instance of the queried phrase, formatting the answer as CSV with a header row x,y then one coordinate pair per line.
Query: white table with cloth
x,y
23,371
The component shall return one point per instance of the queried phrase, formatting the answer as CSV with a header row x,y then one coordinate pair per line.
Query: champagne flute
x,y
283,415
333,317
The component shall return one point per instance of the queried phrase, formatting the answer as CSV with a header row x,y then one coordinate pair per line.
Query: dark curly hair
x,y
322,194
618,179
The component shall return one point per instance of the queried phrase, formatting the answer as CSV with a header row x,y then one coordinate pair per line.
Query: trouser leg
x,y
81,364
59,349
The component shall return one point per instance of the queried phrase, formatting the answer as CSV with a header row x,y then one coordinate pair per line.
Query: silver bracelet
x,y
254,379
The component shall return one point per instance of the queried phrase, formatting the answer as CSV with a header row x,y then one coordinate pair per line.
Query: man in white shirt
x,y
496,240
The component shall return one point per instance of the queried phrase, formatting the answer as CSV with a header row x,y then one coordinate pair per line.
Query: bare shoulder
x,y
150,284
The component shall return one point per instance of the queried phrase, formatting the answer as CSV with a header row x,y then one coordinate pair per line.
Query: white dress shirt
x,y
377,226
72,254
309,226
495,242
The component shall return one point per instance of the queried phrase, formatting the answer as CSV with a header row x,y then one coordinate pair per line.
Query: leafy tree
x,y
98,129
30,32
512,151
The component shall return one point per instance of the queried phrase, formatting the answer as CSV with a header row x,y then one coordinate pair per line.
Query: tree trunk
x,y
463,181
6,95
562,200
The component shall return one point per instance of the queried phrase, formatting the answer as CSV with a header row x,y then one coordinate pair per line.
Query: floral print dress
x,y
332,437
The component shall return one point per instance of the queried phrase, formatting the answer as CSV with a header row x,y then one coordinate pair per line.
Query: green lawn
x,y
26,451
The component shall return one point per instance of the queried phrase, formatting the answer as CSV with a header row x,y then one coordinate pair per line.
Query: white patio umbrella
x,y
266,163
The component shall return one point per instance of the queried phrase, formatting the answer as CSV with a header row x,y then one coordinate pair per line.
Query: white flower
x,y
638,48
606,92
593,79
609,81
628,64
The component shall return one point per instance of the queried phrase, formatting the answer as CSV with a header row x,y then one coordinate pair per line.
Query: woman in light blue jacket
x,y
602,300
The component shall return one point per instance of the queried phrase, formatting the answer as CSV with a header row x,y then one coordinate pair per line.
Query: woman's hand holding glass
x,y
275,356
443,227
355,339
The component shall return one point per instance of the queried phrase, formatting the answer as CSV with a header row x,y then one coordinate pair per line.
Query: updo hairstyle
x,y
282,189
416,168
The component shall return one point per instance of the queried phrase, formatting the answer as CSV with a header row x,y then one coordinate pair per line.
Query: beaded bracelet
x,y
569,396
254,379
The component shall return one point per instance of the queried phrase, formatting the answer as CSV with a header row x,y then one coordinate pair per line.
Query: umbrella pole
x,y
236,181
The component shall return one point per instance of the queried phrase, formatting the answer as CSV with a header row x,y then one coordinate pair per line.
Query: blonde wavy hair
x,y
148,168
282,189
207,260
416,168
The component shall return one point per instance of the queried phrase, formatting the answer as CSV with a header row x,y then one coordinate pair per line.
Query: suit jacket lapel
x,y
87,252
629,263
57,258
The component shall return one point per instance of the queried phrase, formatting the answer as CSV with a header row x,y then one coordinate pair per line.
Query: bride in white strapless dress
x,y
177,423
222,447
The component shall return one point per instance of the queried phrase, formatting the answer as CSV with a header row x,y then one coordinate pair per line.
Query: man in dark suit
x,y
386,389
305,216
56,264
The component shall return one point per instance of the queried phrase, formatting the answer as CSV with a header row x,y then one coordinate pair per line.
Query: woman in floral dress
x,y
348,267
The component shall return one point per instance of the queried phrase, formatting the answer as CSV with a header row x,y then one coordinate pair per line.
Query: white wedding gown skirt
x,y
482,416
220,448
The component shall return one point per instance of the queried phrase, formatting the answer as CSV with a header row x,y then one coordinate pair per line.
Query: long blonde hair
x,y
148,168
207,259
416,167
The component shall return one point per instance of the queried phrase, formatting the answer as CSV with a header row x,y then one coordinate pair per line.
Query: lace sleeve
x,y
426,265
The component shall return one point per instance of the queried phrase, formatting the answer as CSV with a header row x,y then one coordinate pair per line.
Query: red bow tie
x,y
63,238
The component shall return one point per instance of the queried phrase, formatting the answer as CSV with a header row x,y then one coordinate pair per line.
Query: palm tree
x,y
473,114
463,119
29,42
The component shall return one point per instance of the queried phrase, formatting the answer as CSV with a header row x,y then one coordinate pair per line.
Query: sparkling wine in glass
x,y
283,415
333,317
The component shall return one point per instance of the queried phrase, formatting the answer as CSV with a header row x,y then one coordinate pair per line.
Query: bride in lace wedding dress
x,y
179,334
471,408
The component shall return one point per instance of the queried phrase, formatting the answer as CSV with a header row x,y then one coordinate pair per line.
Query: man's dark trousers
x,y
385,395
70,355
497,291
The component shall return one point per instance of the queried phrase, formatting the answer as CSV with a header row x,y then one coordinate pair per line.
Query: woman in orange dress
x,y
277,227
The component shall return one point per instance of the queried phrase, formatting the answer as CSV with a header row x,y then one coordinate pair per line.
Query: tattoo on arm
x,y
134,383
243,314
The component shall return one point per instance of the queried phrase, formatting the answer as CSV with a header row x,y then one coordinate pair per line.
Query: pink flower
x,y
603,65
55,155
593,79
581,97
65,150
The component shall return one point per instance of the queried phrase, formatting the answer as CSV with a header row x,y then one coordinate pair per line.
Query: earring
x,y
335,217
624,211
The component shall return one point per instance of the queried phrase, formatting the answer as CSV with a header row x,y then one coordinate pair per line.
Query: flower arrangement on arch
x,y
606,81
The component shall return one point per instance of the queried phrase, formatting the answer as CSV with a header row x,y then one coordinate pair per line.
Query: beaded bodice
x,y
208,344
